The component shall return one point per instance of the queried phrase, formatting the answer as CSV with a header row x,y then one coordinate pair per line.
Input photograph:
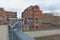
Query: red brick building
x,y
2,16
32,16
47,17
5,15
10,14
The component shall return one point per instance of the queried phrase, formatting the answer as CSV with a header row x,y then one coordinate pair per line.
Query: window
x,y
36,27
36,18
30,18
37,21
30,21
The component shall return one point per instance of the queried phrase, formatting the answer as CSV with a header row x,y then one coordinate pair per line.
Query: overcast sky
x,y
20,5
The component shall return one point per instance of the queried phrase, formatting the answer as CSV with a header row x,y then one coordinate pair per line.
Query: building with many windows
x,y
32,16
2,16
5,15
10,14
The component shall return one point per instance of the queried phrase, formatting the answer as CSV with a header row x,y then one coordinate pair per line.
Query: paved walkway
x,y
4,32
44,33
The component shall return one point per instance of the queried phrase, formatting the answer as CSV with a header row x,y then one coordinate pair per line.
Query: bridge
x,y
11,32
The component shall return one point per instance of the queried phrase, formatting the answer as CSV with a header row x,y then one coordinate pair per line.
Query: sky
x,y
20,5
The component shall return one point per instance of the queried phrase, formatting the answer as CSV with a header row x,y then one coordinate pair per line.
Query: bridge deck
x,y
4,32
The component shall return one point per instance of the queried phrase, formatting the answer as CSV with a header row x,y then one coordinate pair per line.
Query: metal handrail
x,y
18,34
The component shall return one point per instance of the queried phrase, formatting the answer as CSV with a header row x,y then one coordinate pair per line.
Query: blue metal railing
x,y
15,34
